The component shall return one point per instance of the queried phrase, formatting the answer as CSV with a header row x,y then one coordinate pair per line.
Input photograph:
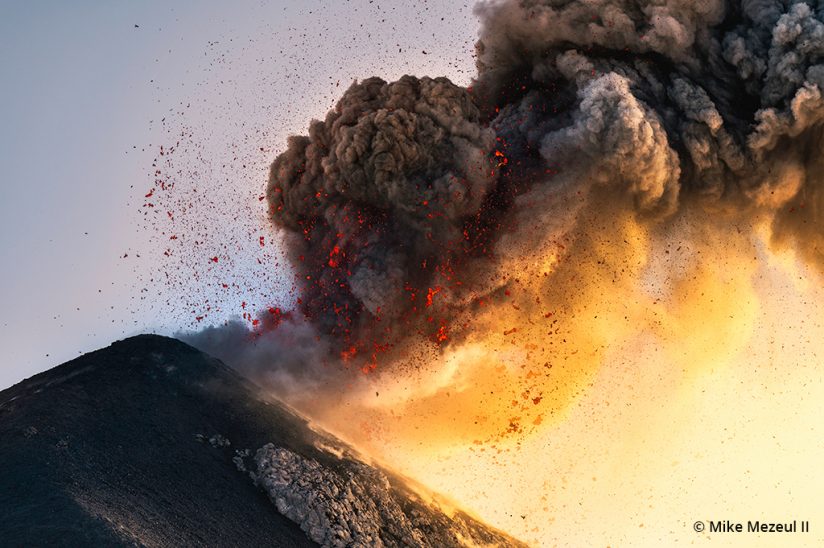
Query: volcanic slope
x,y
152,442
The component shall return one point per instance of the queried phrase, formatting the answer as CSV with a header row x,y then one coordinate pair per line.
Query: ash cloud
x,y
395,207
285,355
376,199
675,103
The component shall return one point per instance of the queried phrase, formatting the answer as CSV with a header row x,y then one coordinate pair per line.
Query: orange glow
x,y
348,354
626,383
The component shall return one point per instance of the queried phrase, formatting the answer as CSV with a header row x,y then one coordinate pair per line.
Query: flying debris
x,y
712,107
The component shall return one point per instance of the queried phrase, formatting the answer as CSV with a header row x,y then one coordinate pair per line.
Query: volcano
x,y
151,442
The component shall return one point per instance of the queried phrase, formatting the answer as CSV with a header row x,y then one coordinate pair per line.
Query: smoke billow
x,y
671,103
416,204
657,104
376,199
574,266
285,354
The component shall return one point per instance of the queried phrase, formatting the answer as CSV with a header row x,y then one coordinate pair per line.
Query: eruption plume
x,y
377,198
672,103
403,191
620,175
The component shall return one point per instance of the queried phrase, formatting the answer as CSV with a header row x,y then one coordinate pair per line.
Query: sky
x,y
92,90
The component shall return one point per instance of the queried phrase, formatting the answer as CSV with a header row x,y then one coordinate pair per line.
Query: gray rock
x,y
355,504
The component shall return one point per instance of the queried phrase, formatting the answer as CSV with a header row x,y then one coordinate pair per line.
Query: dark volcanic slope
x,y
102,449
134,444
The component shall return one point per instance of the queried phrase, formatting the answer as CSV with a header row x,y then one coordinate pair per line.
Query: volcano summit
x,y
150,442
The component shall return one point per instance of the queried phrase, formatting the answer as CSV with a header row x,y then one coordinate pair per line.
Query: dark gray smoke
x,y
395,205
376,200
664,105
673,102
301,357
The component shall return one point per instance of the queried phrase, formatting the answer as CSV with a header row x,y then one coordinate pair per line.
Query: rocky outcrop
x,y
357,505
145,443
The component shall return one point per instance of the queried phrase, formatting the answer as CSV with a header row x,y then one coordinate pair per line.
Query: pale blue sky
x,y
86,100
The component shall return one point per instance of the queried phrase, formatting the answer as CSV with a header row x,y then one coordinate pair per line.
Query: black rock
x,y
151,442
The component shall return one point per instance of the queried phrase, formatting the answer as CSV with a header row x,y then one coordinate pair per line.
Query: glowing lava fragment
x,y
431,293
333,257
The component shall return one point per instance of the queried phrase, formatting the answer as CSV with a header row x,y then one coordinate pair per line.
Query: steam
x,y
416,204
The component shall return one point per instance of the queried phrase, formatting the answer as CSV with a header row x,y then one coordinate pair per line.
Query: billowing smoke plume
x,y
401,194
415,204
630,193
718,102
378,198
